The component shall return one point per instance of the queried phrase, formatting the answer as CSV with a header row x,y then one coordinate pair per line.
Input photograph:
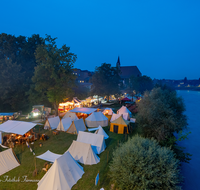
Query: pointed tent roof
x,y
123,110
76,126
100,131
83,153
63,174
96,119
64,124
49,156
52,123
115,116
108,111
97,141
71,115
121,121
7,161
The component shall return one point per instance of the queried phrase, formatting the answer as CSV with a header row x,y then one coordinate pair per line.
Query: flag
x,y
97,179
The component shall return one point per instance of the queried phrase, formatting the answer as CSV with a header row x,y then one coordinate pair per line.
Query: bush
x,y
143,164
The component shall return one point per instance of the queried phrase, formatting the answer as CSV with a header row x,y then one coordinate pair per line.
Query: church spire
x,y
118,63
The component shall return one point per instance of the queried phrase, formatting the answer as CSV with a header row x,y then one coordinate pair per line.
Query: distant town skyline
x,y
161,38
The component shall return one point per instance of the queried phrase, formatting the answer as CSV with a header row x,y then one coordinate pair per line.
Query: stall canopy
x,y
96,119
97,141
83,153
49,156
100,131
108,111
52,123
7,114
64,124
7,161
126,99
17,127
83,110
71,115
63,174
76,100
76,126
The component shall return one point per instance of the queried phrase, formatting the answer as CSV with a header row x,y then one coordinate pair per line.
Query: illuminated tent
x,y
52,123
49,156
17,127
83,110
76,126
7,161
120,126
96,119
83,153
108,111
100,131
97,141
71,115
64,124
63,174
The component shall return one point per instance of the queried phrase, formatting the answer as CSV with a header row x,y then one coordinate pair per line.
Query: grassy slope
x,y
59,144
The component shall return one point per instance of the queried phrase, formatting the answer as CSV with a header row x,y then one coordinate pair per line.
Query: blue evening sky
x,y
161,37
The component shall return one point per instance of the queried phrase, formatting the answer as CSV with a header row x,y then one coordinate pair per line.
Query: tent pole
x,y
15,155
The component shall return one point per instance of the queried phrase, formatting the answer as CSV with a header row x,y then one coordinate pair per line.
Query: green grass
x,y
59,144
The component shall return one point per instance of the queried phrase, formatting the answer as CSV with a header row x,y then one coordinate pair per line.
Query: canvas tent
x,y
63,174
7,161
49,156
96,119
120,126
71,115
83,153
108,111
97,141
100,131
124,110
76,126
83,110
115,116
17,127
64,124
52,123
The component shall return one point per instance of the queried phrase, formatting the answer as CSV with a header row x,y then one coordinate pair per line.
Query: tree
x,y
139,85
160,114
142,163
53,77
105,81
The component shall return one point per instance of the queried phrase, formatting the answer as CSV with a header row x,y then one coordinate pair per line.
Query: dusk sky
x,y
161,37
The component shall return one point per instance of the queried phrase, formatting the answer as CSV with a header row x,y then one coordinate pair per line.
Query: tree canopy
x,y
53,77
105,81
142,163
160,114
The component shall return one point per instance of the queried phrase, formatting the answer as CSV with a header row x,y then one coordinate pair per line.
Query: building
x,y
127,71
83,77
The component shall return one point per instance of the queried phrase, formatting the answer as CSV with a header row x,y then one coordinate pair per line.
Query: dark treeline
x,y
17,62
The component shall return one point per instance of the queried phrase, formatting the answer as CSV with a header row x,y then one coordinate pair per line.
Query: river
x,y
191,171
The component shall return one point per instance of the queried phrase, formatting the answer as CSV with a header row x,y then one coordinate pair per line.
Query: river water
x,y
191,171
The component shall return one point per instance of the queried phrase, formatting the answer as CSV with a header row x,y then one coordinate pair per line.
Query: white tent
x,y
62,175
76,126
124,110
108,111
116,116
100,131
17,127
71,115
0,138
97,141
49,156
52,123
83,153
64,124
7,161
83,110
96,119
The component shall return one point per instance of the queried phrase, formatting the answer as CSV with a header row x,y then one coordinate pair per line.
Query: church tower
x,y
118,63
